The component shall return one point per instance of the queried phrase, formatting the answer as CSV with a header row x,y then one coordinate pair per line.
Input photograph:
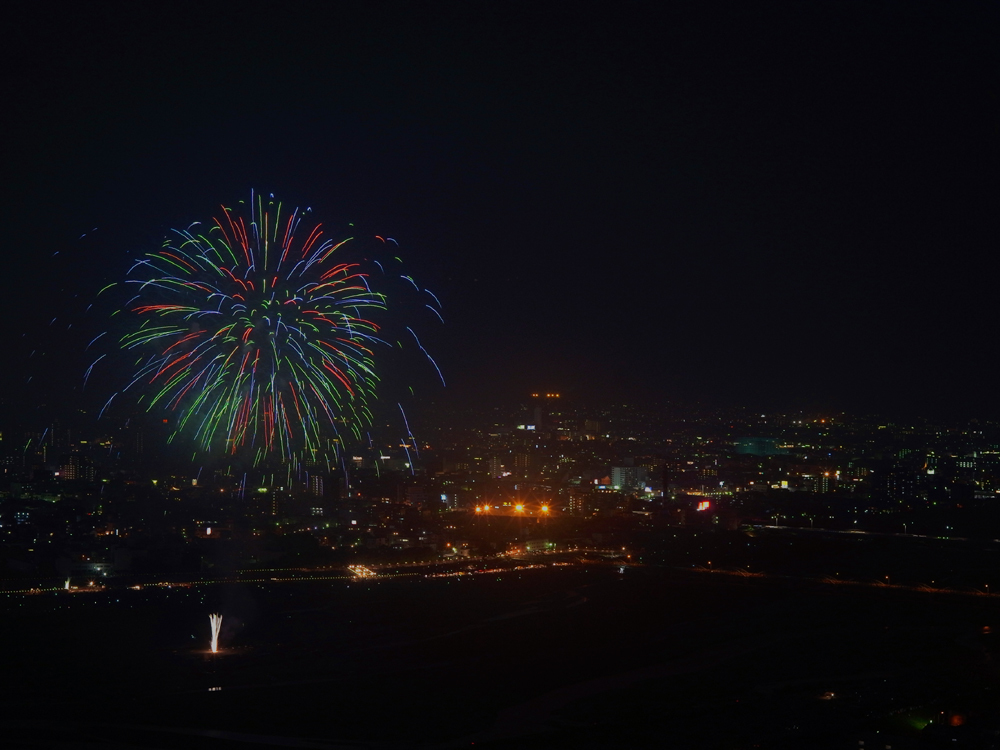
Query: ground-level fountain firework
x,y
216,621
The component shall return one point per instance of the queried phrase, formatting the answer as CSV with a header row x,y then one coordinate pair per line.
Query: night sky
x,y
779,205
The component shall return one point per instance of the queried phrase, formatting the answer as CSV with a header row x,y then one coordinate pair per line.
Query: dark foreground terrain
x,y
565,656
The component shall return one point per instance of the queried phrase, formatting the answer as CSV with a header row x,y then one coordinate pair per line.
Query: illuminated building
x,y
316,484
628,478
894,485
75,467
542,404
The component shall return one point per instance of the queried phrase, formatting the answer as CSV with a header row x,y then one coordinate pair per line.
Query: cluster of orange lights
x,y
518,508
545,395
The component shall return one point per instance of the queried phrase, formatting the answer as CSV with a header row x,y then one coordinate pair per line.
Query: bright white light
x,y
216,621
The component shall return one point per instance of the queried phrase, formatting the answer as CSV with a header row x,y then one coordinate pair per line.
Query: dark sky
x,y
774,204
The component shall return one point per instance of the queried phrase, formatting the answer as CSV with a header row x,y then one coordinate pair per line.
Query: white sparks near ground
x,y
216,621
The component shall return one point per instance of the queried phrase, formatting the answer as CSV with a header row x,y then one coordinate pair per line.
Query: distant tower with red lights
x,y
543,403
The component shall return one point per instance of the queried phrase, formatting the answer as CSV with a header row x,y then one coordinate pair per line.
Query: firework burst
x,y
258,333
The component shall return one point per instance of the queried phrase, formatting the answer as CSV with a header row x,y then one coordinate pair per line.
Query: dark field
x,y
562,657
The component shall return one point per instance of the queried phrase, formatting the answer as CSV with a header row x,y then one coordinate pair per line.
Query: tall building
x,y
316,485
75,467
628,478
541,405
494,466
892,484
